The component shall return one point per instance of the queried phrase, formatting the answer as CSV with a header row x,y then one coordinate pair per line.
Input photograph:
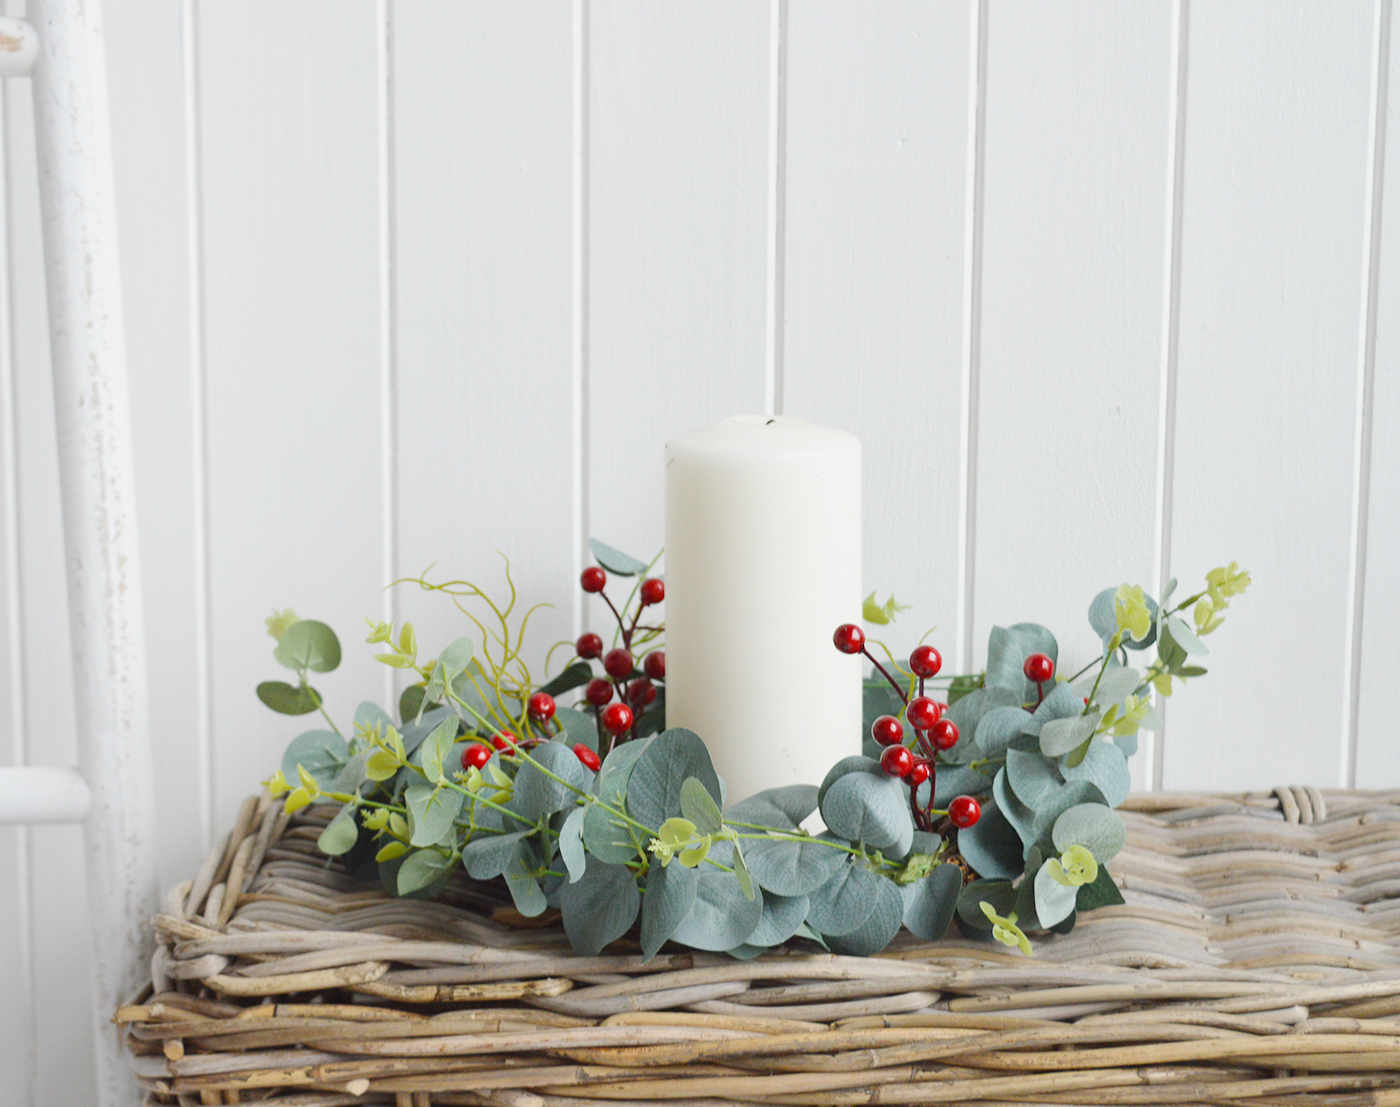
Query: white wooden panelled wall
x,y
1109,291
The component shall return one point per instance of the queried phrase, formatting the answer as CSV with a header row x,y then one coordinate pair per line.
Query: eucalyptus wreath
x,y
484,772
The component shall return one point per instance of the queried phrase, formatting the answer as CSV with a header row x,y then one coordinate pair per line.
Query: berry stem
x,y
903,695
622,626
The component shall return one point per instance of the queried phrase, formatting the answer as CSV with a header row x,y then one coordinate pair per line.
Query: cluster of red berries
x,y
933,732
634,690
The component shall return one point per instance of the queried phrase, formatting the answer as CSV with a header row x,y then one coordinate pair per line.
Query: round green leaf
x,y
537,794
843,903
880,926
789,868
669,897
1105,767
1053,901
487,856
844,767
1062,702
967,713
1097,828
525,890
308,645
341,833
721,918
654,788
999,726
571,844
322,753
863,807
782,915
929,903
287,699
955,780
991,845
1060,736
420,870
1032,776
600,907
615,561
432,813
1016,813
1056,804
796,802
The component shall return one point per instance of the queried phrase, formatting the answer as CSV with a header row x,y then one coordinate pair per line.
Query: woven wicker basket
x,y
1256,961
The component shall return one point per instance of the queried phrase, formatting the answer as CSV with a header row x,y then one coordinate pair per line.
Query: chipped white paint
x,y
95,466
43,794
19,46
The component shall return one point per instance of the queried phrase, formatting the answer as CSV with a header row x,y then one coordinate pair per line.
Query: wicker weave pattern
x,y
1256,961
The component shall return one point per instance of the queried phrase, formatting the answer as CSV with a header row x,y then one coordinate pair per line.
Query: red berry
x,y
618,663
475,755
923,712
593,579
587,756
654,664
541,706
896,760
918,774
944,734
849,638
598,692
504,741
653,591
925,661
1039,668
617,717
589,645
641,692
887,730
964,812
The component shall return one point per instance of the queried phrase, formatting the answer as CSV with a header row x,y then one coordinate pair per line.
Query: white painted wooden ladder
x,y
110,792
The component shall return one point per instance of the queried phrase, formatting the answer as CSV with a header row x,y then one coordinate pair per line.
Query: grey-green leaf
x,y
1049,810
341,833
1117,682
432,811
669,897
929,903
571,844
1104,766
699,807
537,794
870,808
790,868
782,917
654,788
1185,637
308,645
1097,828
845,901
525,890
1059,736
322,753
437,748
600,907
1021,817
721,917
486,856
420,869
999,727
991,845
615,561
879,927
1053,900
287,699
1031,776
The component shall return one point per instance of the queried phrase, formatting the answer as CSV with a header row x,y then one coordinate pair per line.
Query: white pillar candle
x,y
763,545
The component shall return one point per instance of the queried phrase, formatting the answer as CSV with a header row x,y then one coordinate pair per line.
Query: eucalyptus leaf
x,y
870,808
537,794
929,903
721,918
575,675
1007,650
991,845
669,897
1032,777
967,713
322,753
287,699
654,788
999,893
437,749
599,908
414,734
999,726
608,838
1102,892
571,844
432,812
1061,702
781,919
486,856
524,886
352,774
369,716
421,869
1059,736
795,801
411,701
847,765
789,868
1185,637
880,926
1105,621
308,645
1016,813
953,781
615,561
341,833
1127,743
699,807
1053,900
1117,683
1097,828
845,901
578,727
456,657
1049,810
1104,766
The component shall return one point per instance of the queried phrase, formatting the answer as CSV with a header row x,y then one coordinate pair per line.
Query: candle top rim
x,y
778,434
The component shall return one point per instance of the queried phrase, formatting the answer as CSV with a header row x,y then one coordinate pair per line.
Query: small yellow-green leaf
x,y
390,851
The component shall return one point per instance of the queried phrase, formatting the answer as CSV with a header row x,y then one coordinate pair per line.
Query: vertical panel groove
x,y
14,599
1171,327
972,334
777,204
388,369
579,369
1365,390
199,422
